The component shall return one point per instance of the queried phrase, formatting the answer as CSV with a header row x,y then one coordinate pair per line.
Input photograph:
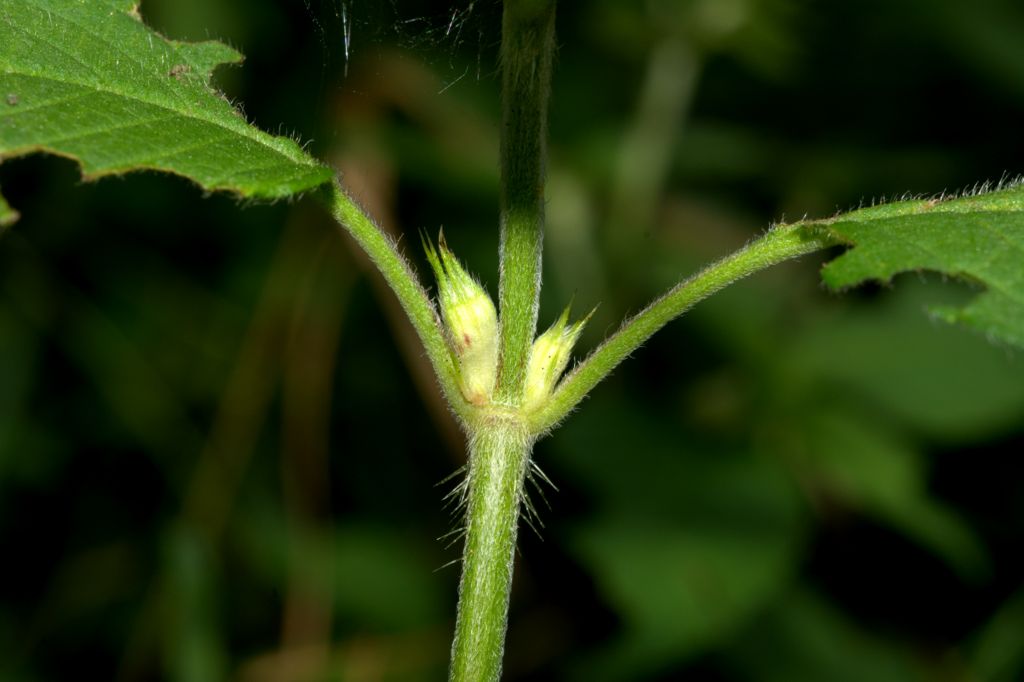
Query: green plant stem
x,y
779,244
411,295
528,31
499,454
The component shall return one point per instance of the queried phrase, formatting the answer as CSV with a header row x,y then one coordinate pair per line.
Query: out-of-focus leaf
x,y
865,465
987,38
979,238
802,638
945,383
678,589
90,81
12,658
17,360
996,654
376,577
8,215
688,544
379,577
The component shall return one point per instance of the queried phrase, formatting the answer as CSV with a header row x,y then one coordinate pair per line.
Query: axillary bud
x,y
471,320
549,357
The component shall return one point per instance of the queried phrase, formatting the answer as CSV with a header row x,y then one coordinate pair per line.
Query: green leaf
x,y
88,80
978,238
373,575
995,654
945,384
686,556
864,464
804,637
7,214
678,590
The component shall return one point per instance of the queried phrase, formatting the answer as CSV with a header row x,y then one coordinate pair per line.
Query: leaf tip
x,y
8,216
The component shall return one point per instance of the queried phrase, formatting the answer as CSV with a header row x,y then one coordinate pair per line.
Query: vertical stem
x,y
528,31
499,442
498,457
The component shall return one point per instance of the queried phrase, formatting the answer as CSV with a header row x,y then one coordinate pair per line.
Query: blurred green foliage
x,y
219,443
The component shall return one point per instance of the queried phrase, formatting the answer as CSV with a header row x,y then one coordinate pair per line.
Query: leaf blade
x,y
91,82
978,238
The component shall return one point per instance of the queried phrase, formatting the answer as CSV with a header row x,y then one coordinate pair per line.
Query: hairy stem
x,y
499,455
780,244
528,30
411,295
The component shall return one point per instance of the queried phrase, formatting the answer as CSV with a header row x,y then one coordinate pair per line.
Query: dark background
x,y
220,445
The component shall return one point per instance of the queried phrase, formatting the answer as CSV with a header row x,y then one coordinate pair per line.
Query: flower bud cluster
x,y
471,320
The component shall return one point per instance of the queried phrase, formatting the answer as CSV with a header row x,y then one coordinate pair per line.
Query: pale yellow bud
x,y
471,321
549,357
